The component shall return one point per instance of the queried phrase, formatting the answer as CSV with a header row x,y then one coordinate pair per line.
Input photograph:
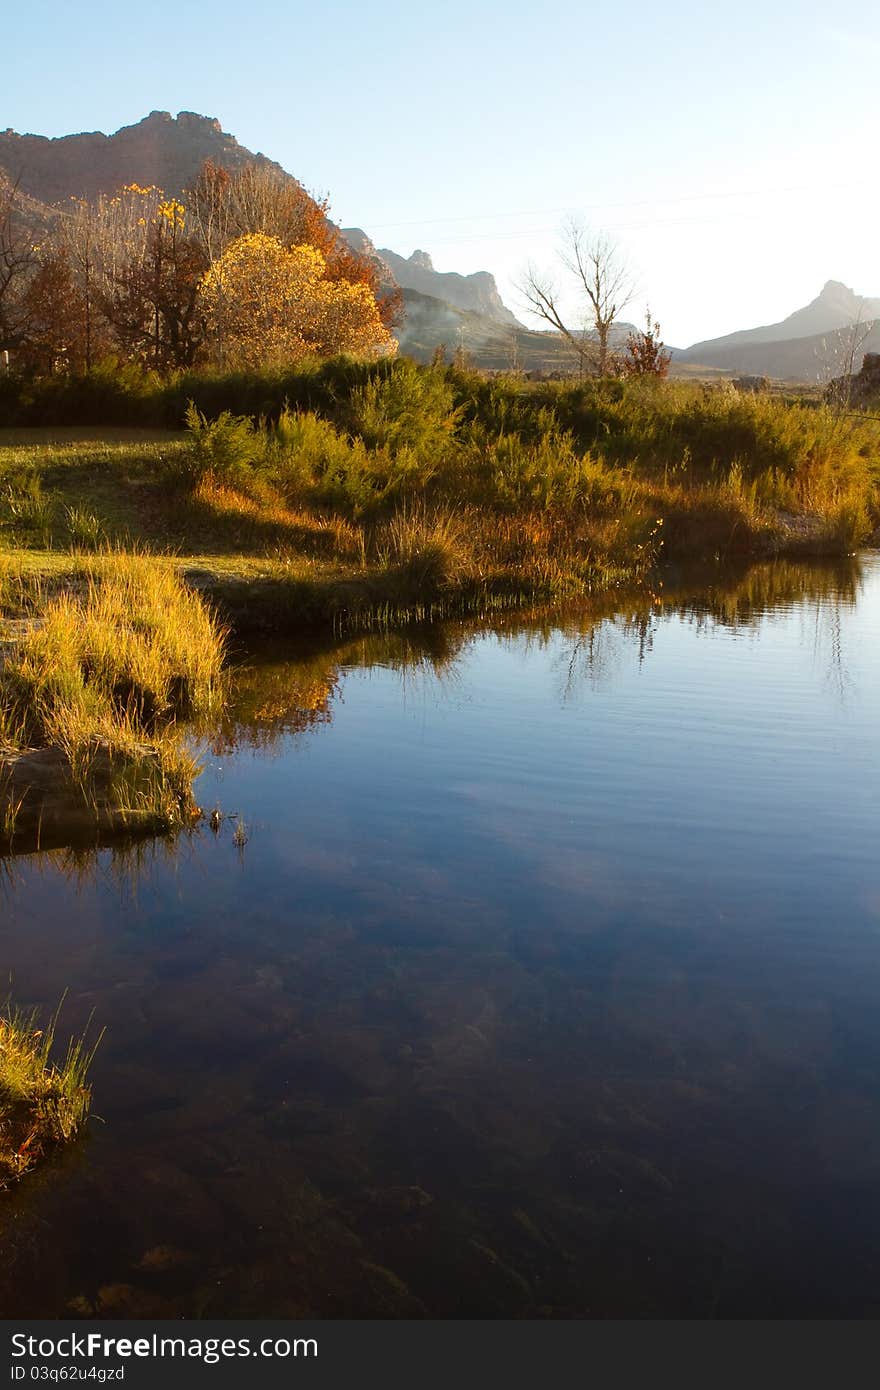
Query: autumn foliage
x,y
245,269
645,352
264,302
258,198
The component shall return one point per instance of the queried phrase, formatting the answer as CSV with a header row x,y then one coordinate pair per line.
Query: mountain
x,y
803,347
476,293
161,149
445,309
814,359
170,150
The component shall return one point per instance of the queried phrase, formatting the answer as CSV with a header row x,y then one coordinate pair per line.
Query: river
x,y
528,970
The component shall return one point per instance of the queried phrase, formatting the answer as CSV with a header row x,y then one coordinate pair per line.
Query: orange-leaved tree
x,y
266,303
223,205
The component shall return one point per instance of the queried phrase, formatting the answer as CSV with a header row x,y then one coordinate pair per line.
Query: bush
x,y
84,529
224,450
428,548
25,505
409,408
310,460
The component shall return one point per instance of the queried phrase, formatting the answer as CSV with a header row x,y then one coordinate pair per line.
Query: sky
x,y
731,152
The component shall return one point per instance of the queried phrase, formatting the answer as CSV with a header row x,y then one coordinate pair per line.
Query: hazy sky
x,y
731,150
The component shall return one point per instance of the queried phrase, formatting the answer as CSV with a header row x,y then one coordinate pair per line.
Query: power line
x,y
587,207
609,227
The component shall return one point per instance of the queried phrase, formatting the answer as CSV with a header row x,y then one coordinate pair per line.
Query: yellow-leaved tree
x,y
265,303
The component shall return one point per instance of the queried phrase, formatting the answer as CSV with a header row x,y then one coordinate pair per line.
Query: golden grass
x,y
43,1103
455,494
103,673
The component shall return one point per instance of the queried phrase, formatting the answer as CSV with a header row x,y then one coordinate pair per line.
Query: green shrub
x,y
225,450
309,460
410,408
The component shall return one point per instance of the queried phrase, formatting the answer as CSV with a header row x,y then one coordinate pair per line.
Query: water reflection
x,y
275,696
547,982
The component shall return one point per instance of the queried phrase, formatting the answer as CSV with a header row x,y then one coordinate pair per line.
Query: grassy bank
x,y
43,1103
94,674
406,488
350,496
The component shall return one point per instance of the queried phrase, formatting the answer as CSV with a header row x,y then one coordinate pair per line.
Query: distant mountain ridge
x,y
835,307
476,293
802,347
814,359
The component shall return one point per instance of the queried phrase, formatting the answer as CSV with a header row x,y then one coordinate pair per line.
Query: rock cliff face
x,y
475,294
360,243
161,149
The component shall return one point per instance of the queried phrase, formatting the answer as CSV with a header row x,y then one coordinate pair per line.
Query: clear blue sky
x,y
731,150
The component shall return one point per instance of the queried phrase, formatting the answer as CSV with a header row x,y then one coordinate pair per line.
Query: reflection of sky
x,y
537,897
726,772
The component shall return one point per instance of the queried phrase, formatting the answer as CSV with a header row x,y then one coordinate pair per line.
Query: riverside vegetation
x,y
93,677
350,494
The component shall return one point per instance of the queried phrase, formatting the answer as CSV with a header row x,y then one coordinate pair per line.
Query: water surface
x,y
547,982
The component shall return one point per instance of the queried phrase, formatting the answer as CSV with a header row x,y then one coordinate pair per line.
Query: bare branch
x,y
18,259
603,282
541,295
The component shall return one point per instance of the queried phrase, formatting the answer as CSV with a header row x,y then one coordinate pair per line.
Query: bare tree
x,y
255,199
78,242
604,285
18,259
838,361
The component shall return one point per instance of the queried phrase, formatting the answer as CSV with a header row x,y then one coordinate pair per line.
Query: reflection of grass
x,y
287,688
42,1103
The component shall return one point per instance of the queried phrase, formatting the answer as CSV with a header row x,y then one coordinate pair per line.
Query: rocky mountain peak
x,y
837,295
833,289
159,149
476,293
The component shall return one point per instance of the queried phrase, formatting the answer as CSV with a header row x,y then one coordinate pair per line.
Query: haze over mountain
x,y
836,306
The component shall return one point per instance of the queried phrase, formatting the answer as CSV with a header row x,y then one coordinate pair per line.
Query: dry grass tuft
x,y
104,672
42,1103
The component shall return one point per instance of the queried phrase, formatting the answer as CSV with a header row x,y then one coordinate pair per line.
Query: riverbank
x,y
390,495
